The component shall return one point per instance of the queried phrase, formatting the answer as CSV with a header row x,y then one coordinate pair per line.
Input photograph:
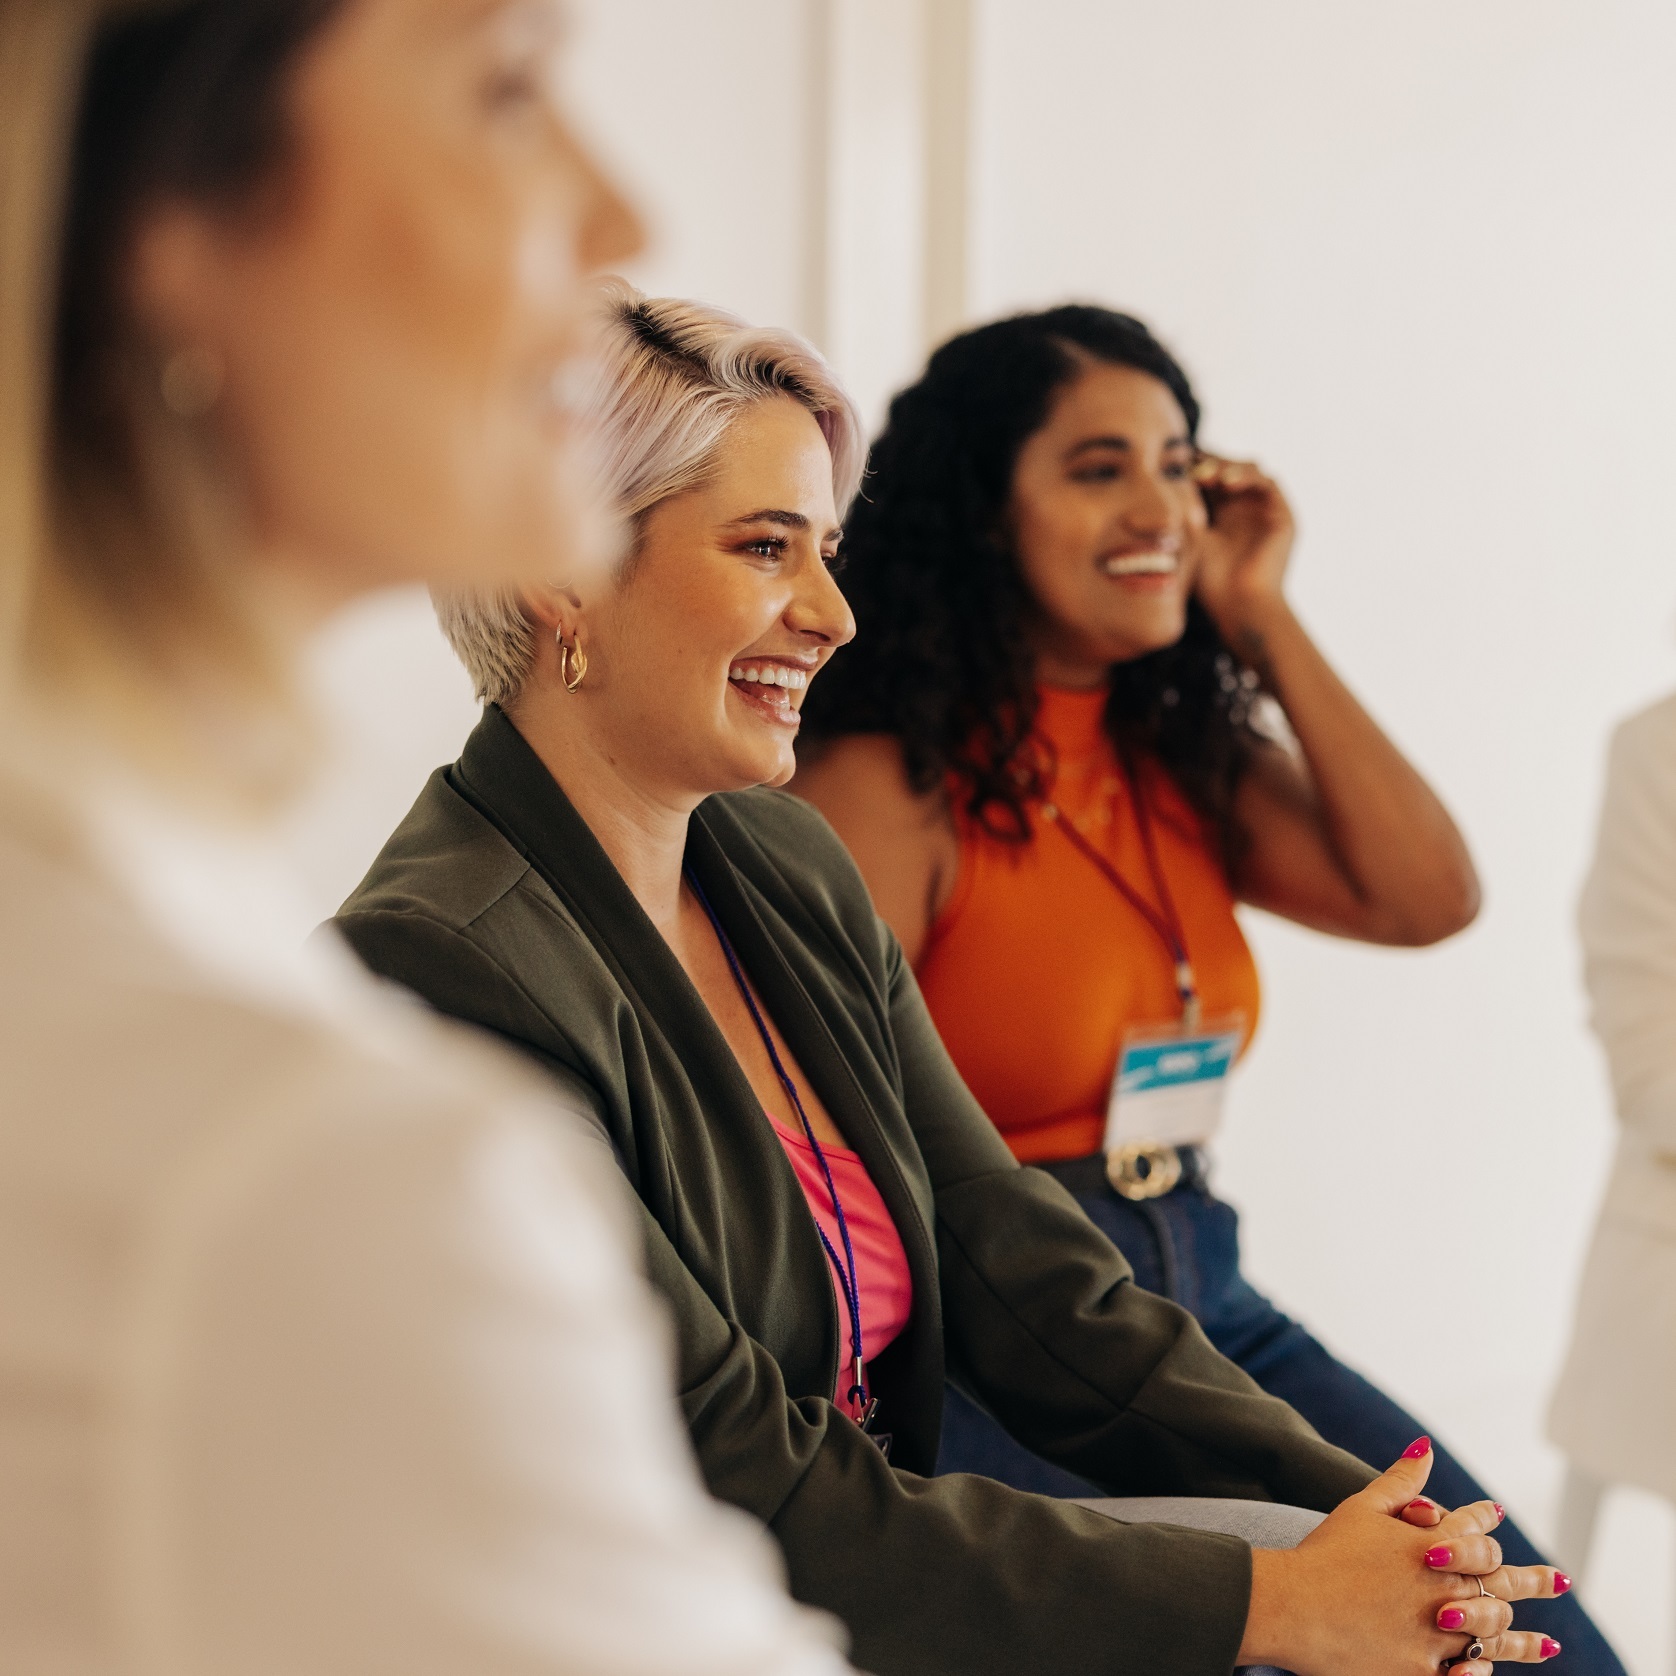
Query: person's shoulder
x,y
1636,834
875,759
446,861
1645,742
385,1080
455,912
868,771
159,1072
1640,795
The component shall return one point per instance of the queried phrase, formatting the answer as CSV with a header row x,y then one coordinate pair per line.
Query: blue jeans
x,y
1185,1245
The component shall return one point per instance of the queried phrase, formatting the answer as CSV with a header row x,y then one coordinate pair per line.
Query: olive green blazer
x,y
495,903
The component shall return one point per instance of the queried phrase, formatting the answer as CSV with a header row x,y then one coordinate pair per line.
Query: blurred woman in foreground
x,y
321,1348
601,879
1079,723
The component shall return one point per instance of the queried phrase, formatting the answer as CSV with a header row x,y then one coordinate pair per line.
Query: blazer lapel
x,y
767,951
501,776
705,1106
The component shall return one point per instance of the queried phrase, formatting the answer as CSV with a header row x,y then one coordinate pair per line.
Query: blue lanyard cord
x,y
846,1275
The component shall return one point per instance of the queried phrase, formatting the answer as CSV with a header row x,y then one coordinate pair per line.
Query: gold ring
x,y
1482,1591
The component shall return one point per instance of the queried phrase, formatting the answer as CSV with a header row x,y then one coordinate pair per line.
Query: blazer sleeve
x,y
958,1574
455,976
1044,1324
1628,923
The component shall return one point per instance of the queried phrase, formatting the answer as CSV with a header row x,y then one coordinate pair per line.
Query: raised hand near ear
x,y
1243,552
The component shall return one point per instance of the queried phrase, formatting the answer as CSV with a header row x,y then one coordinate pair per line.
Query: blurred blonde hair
x,y
670,379
129,620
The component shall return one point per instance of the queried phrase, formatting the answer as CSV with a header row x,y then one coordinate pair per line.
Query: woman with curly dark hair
x,y
1079,722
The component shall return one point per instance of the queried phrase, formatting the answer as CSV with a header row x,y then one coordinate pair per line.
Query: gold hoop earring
x,y
573,663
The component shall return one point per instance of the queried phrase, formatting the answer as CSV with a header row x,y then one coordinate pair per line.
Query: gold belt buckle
x,y
1143,1170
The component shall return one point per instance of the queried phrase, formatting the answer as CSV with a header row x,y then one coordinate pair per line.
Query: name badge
x,y
1170,1084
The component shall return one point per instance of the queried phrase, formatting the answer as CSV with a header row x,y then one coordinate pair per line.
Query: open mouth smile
x,y
1141,564
768,688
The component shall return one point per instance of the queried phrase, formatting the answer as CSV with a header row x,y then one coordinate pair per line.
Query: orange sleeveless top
x,y
1037,966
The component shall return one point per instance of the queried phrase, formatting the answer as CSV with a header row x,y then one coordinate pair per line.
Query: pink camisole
x,y
887,1291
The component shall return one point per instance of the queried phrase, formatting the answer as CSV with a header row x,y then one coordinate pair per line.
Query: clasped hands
x,y
1389,1583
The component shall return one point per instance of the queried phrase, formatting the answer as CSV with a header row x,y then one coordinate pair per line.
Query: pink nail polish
x,y
1420,1446
1439,1556
1419,1501
1562,1583
1451,1617
1501,1512
1549,1646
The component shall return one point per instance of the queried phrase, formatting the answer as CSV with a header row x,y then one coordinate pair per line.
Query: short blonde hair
x,y
671,378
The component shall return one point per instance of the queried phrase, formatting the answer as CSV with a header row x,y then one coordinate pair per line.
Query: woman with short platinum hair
x,y
658,423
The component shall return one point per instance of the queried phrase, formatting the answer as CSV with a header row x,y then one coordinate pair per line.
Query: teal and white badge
x,y
1170,1084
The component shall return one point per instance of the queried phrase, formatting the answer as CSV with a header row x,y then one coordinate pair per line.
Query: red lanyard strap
x,y
1164,920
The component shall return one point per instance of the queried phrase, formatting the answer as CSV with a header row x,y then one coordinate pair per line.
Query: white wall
x,y
1419,260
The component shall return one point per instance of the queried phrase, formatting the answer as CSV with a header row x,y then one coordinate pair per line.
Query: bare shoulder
x,y
865,771
902,839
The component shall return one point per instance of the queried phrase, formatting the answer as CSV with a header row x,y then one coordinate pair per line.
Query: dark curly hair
x,y
941,661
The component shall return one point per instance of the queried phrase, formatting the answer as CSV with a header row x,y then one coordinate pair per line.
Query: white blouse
x,y
1612,1411
322,1349
1628,922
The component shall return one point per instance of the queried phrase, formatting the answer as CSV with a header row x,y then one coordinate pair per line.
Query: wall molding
x,y
888,228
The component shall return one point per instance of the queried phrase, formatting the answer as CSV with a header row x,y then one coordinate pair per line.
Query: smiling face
x,y
396,321
699,657
1104,515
